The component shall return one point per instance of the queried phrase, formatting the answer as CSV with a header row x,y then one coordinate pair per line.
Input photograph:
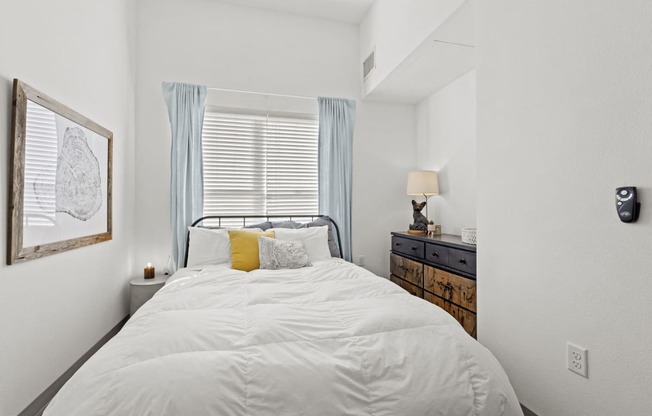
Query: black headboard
x,y
261,218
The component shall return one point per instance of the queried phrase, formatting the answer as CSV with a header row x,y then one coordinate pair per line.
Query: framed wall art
x,y
60,190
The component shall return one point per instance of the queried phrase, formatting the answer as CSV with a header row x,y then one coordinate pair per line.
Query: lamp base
x,y
416,232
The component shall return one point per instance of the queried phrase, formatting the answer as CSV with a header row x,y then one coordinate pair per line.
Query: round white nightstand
x,y
143,289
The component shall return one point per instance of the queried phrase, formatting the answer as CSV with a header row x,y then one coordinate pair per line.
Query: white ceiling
x,y
348,11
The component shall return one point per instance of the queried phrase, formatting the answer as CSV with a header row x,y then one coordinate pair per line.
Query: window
x,y
259,163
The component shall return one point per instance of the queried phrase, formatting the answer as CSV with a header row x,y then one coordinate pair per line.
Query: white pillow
x,y
210,246
315,239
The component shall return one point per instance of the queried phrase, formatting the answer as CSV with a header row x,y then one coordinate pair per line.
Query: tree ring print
x,y
78,182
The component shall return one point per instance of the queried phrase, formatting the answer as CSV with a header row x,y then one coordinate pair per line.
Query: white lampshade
x,y
423,182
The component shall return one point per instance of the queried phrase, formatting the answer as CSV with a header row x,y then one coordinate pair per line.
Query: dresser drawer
x,y
445,305
467,319
437,254
451,287
461,260
412,289
406,269
406,246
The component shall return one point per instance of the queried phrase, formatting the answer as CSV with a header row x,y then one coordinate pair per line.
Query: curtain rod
x,y
303,97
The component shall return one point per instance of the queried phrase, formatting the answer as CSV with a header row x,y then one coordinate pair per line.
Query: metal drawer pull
x,y
397,244
462,261
414,248
435,254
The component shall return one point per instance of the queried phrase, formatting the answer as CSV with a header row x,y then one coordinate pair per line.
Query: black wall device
x,y
627,204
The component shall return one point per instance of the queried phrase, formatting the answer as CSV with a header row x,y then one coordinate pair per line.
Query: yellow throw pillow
x,y
244,249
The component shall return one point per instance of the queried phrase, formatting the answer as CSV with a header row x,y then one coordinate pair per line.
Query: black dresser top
x,y
449,240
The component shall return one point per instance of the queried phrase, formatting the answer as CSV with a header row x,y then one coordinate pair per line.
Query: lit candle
x,y
149,271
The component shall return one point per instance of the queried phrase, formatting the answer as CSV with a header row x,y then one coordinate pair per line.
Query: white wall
x,y
446,143
565,117
221,45
52,310
384,153
395,28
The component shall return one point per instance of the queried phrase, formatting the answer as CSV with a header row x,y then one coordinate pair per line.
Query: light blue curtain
x,y
336,121
186,105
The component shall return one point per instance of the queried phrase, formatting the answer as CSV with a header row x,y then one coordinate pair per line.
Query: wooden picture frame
x,y
60,193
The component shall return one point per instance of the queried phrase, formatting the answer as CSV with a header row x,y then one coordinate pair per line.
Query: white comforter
x,y
332,339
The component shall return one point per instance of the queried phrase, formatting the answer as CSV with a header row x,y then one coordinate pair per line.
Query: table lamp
x,y
424,183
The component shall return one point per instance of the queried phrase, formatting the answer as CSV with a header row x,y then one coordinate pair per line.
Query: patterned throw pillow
x,y
276,254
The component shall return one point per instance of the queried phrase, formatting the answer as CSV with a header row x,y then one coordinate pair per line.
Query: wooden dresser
x,y
440,270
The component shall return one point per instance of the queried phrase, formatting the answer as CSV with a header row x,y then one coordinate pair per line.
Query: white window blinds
x,y
259,164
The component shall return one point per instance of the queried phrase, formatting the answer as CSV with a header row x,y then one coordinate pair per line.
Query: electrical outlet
x,y
577,359
360,261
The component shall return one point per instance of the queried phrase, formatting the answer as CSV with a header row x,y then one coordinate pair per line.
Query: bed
x,y
330,339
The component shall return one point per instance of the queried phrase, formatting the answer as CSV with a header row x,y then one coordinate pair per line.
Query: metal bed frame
x,y
261,218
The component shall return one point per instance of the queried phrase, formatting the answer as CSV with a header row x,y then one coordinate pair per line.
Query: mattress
x,y
332,339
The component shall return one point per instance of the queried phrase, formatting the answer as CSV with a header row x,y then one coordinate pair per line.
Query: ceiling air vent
x,y
369,64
